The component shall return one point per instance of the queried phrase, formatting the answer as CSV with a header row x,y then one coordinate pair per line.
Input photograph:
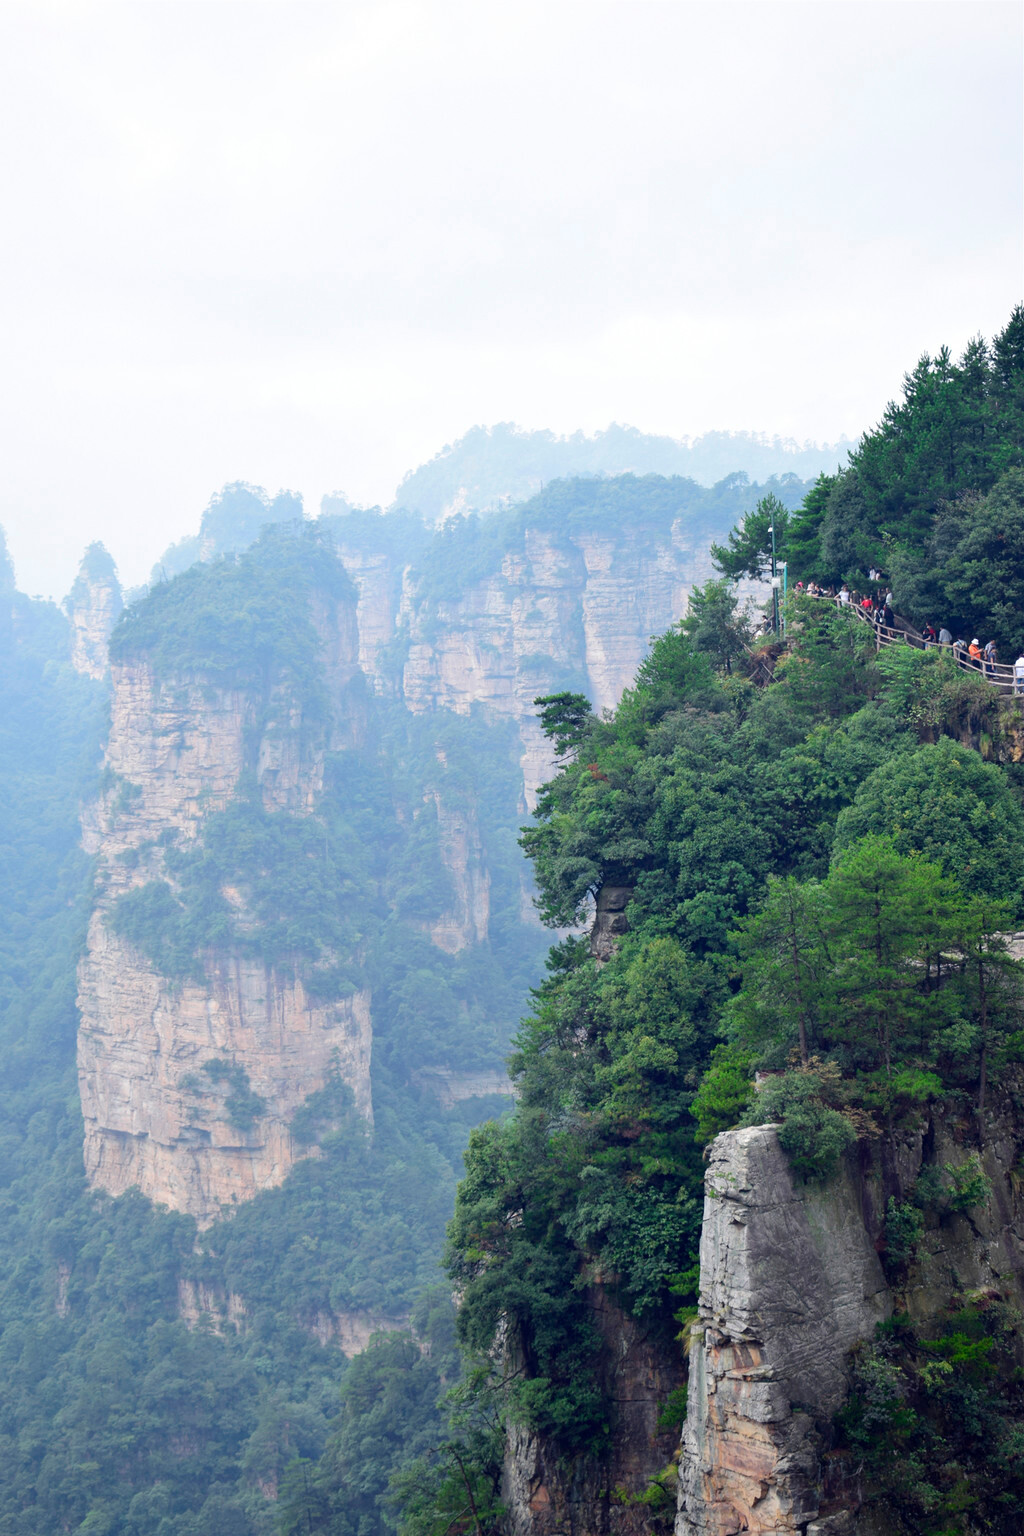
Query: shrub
x,y
812,1133
968,1185
904,1226
725,1091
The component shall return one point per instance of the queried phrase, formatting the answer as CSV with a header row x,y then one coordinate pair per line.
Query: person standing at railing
x,y
844,594
974,650
888,617
1018,674
928,635
960,652
991,657
945,638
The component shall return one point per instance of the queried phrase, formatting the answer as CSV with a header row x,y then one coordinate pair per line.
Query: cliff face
x,y
560,612
168,1069
790,1283
546,1494
466,920
552,611
93,607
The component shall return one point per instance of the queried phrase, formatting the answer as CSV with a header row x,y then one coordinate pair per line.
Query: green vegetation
x,y
97,566
632,510
244,620
233,520
489,467
934,497
935,1416
821,872
118,1418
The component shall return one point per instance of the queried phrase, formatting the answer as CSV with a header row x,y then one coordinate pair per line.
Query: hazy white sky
x,y
305,245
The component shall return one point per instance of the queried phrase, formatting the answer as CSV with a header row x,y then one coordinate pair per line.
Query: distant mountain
x,y
494,466
231,522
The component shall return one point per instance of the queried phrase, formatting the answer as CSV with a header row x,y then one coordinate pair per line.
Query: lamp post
x,y
775,583
784,568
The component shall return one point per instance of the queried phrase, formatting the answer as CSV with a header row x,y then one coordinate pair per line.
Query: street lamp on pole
x,y
775,584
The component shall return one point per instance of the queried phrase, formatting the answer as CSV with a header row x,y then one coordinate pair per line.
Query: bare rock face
x,y
610,922
790,1282
548,1495
560,613
211,1306
378,583
450,1087
93,607
466,920
156,1119
188,1087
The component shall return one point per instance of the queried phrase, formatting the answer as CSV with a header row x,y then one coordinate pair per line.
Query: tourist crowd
x,y
879,608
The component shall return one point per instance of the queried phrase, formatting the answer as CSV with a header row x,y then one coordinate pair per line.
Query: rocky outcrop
x,y
466,919
790,1282
187,1086
378,582
201,1304
93,607
547,1494
450,1087
610,923
559,613
351,1332
156,1117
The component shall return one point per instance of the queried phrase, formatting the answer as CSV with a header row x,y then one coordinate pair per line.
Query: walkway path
x,y
996,674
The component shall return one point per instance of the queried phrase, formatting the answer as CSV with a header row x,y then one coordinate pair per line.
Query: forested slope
x,y
818,875
156,1383
807,879
159,1383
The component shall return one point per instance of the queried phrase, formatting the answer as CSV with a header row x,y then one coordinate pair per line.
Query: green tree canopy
x,y
944,802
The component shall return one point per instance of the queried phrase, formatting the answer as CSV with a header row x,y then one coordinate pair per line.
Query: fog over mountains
x,y
491,465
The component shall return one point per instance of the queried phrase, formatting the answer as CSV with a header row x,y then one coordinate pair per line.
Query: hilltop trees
x,y
916,487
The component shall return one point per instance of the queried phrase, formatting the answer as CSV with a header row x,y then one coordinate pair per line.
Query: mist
x,y
307,246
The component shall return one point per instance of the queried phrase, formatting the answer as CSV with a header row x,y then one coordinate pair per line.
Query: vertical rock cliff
x,y
562,592
466,919
189,1079
93,606
548,1494
559,611
791,1284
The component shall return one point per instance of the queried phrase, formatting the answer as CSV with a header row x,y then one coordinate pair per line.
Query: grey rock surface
x,y
790,1282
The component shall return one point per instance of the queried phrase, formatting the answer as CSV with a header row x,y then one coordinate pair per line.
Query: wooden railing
x,y
996,673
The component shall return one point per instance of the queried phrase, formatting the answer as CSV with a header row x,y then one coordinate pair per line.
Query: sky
x,y
307,245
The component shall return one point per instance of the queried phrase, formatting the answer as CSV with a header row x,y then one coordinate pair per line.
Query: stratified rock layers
x,y
93,608
561,611
156,1116
790,1282
155,1119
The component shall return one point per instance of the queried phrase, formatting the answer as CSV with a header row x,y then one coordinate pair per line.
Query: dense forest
x,y
117,1416
820,871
